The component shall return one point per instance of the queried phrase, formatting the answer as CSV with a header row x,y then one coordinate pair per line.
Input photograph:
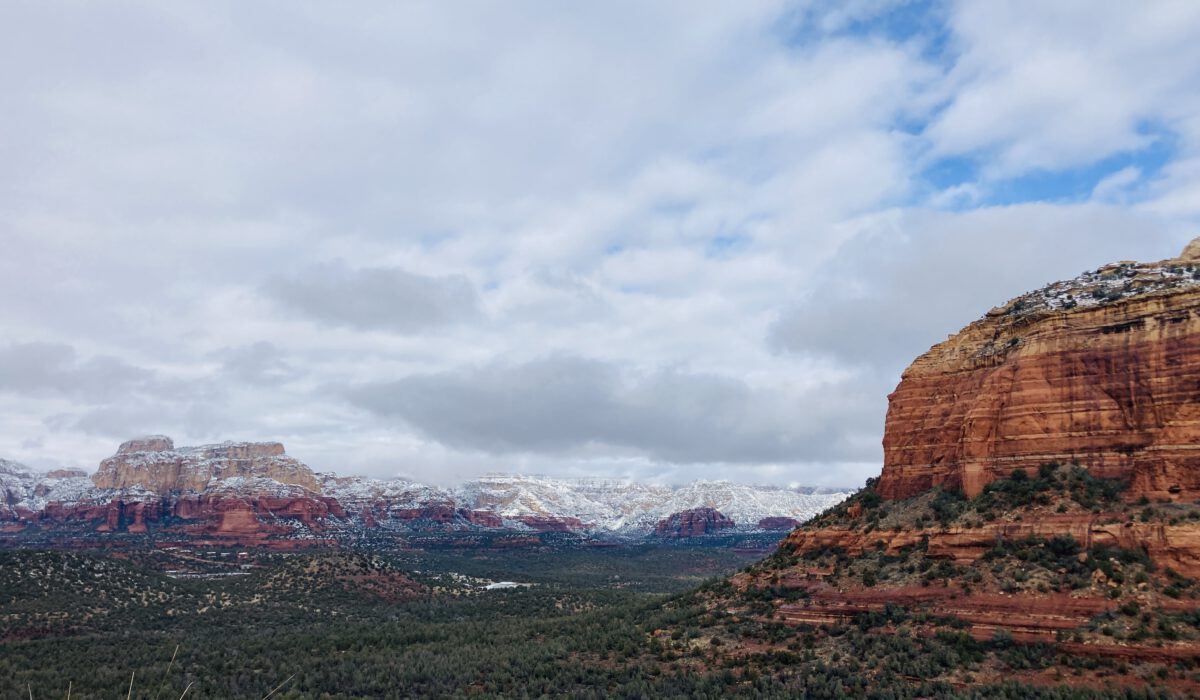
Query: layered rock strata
x,y
1103,370
154,463
1171,545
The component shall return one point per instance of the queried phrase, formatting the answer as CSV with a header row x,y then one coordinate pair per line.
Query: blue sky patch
x,y
1060,186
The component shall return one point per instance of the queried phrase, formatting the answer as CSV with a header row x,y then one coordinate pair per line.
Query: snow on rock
x,y
636,507
24,491
1105,285
515,495
153,468
359,493
16,486
746,504
155,463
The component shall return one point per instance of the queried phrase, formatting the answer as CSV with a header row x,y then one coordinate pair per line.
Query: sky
x,y
664,241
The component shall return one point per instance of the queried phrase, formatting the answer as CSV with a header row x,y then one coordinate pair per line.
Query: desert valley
x,y
1036,527
686,349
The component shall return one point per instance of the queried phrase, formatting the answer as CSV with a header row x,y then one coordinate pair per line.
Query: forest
x,y
622,622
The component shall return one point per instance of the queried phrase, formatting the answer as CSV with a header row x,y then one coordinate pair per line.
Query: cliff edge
x,y
1103,370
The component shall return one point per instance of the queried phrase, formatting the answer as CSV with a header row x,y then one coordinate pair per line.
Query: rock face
x,y
777,523
1171,545
1103,369
551,524
66,474
692,523
154,463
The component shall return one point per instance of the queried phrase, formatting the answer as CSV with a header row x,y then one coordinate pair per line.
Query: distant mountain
x,y
25,493
255,493
631,506
156,464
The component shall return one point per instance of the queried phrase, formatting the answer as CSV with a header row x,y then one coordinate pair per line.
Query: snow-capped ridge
x,y
152,467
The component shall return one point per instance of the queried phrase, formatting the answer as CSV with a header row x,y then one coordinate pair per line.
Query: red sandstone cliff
x,y
1103,369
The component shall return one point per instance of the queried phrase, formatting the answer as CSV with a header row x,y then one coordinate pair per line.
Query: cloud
x,y
190,420
1048,86
260,363
559,404
376,298
1114,187
712,226
55,369
909,279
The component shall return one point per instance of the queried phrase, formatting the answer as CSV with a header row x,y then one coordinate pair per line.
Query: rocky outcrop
x,y
66,474
1103,370
1041,618
696,522
434,513
154,463
482,518
777,523
543,523
1171,545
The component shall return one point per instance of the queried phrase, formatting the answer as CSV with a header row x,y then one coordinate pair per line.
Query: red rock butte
x,y
695,522
1103,370
155,464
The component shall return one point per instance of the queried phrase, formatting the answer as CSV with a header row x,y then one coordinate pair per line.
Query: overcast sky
x,y
649,239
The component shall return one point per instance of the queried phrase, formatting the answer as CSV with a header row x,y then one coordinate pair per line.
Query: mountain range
x,y
254,491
